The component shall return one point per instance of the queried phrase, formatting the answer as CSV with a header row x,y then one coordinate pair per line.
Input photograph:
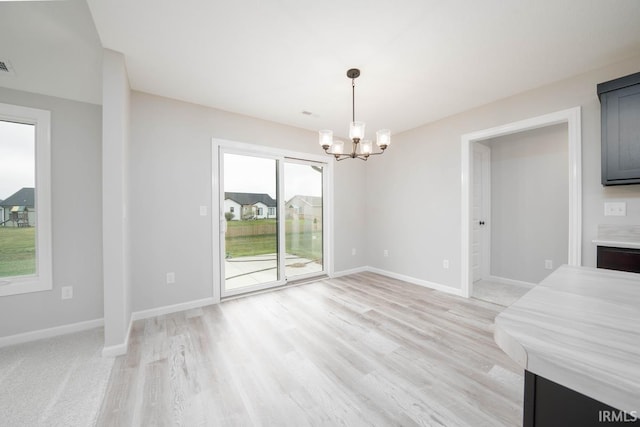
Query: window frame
x,y
42,280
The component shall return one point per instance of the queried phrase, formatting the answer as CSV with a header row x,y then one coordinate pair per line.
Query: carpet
x,y
58,381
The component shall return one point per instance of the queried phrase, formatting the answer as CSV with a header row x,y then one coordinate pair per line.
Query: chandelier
x,y
360,148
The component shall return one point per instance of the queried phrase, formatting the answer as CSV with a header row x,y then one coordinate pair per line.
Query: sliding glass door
x,y
272,220
250,200
303,218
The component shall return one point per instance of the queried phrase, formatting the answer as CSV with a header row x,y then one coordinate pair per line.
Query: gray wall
x,y
529,203
171,177
115,196
422,171
77,219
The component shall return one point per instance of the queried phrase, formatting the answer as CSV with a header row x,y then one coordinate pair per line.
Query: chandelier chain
x,y
353,99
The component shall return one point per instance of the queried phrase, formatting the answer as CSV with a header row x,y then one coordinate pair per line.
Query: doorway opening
x,y
519,228
468,256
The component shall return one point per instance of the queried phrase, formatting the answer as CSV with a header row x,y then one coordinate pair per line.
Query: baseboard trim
x,y
419,282
168,309
50,332
510,281
119,349
348,272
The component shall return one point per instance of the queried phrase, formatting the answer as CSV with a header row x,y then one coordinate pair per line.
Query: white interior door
x,y
480,224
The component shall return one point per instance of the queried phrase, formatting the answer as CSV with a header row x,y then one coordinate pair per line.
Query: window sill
x,y
17,286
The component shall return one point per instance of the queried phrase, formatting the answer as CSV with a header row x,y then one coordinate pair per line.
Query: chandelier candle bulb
x,y
383,138
366,147
356,131
325,138
337,147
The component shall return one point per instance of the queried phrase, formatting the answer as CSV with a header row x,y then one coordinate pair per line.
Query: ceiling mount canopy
x,y
360,148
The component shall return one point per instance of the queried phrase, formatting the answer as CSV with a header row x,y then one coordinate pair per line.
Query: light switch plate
x,y
615,209
203,211
67,292
171,278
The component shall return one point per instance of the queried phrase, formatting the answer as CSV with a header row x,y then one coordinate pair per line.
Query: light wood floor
x,y
358,350
498,292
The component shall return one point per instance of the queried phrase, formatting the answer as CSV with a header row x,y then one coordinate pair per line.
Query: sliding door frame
x,y
325,188
218,222
280,278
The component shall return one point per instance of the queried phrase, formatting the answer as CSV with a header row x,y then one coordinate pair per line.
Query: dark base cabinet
x,y
547,404
620,116
623,259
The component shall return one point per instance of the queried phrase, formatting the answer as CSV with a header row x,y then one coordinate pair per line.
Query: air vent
x,y
5,67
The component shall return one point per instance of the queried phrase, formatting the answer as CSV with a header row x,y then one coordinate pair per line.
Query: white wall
x,y
76,215
171,158
529,203
422,170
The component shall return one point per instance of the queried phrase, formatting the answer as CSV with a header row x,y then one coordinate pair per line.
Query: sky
x,y
17,157
246,174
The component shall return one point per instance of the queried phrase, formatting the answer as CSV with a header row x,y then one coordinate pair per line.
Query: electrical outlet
x,y
445,264
548,264
353,251
615,209
385,252
171,278
67,292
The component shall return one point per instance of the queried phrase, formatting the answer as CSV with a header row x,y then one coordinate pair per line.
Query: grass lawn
x,y
17,251
300,243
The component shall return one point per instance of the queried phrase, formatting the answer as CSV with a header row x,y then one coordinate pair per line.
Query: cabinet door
x,y
622,259
621,136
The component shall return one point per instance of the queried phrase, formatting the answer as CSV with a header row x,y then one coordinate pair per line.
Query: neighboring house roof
x,y
313,201
23,197
245,199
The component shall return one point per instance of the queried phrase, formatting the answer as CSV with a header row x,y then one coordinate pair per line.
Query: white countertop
x,y
617,243
618,236
580,327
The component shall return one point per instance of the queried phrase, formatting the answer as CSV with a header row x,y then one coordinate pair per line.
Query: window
x,y
272,211
25,191
232,209
259,211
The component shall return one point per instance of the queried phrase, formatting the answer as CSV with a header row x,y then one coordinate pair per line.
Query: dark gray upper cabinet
x,y
620,110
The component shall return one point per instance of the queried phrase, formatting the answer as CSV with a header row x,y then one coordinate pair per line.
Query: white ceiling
x,y
421,60
53,49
